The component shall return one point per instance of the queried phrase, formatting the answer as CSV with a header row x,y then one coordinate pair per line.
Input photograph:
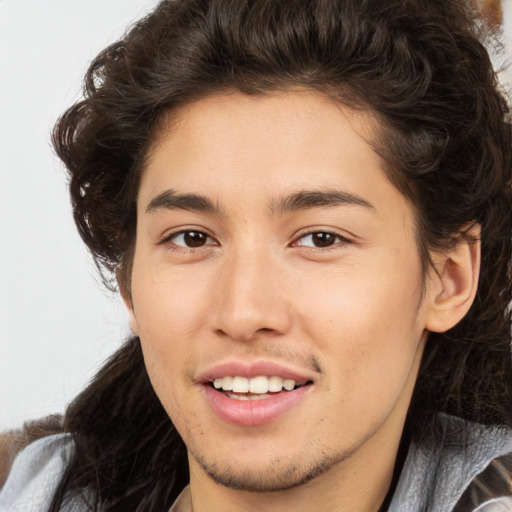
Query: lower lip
x,y
250,413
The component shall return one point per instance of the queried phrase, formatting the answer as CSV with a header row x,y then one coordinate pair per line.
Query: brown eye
x,y
323,239
191,239
194,239
320,239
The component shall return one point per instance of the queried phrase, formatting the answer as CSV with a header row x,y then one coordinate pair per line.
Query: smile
x,y
252,401
259,386
252,393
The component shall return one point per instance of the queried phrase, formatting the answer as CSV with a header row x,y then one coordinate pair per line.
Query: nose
x,y
252,297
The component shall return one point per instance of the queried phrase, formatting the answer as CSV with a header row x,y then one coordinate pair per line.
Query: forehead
x,y
300,111
300,137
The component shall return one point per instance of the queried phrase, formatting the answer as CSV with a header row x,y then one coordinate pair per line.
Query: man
x,y
296,199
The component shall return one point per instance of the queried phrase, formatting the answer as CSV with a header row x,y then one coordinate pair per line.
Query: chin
x,y
276,475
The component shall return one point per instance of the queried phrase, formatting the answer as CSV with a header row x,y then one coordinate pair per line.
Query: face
x,y
277,289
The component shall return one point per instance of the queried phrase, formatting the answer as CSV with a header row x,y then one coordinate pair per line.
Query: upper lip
x,y
251,369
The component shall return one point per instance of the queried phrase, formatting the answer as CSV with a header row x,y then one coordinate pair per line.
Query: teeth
x,y
288,384
275,384
240,385
246,397
226,383
257,385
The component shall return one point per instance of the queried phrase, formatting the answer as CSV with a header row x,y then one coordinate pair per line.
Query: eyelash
x,y
338,240
184,232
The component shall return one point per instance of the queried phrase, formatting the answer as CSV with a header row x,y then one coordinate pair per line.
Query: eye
x,y
190,239
320,239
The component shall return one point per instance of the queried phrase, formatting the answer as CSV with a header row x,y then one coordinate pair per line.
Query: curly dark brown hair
x,y
418,65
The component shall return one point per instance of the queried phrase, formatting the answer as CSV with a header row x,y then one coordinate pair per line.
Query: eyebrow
x,y
170,200
305,200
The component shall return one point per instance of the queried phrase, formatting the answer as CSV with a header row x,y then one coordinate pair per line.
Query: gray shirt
x,y
435,474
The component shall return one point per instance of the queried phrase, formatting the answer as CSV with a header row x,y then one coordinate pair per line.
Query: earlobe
x,y
127,299
453,283
132,321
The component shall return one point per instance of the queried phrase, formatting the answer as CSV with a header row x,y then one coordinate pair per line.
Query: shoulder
x,y
36,473
439,469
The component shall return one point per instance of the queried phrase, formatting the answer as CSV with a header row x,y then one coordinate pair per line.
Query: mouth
x,y
255,388
254,393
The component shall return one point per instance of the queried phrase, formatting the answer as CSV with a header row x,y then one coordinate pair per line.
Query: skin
x,y
353,314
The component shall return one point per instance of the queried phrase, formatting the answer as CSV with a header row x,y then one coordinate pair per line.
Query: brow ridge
x,y
171,200
307,199
302,200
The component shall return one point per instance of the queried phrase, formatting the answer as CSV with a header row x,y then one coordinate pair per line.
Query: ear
x,y
127,299
453,283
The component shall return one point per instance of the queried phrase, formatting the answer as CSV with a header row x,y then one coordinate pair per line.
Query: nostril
x,y
239,334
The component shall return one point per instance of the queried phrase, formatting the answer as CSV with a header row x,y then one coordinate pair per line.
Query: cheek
x,y
366,319
166,331
361,299
168,305
169,310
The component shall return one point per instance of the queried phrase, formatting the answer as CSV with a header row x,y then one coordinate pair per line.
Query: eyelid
x,y
343,239
167,238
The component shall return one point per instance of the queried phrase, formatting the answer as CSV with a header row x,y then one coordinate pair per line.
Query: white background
x,y
56,322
